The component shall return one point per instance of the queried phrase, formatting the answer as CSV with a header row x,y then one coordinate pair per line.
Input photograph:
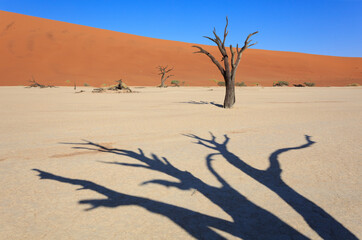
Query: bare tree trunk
x,y
163,81
230,92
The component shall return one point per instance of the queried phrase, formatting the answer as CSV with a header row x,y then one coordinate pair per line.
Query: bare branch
x,y
220,45
250,35
168,77
232,56
213,59
252,44
169,70
218,40
225,30
247,41
211,39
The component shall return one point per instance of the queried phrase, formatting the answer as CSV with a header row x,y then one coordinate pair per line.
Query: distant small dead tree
x,y
163,71
227,72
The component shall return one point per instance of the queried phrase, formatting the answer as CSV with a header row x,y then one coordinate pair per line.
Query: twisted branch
x,y
213,59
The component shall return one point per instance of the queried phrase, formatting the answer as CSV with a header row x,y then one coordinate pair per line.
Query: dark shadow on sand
x,y
204,103
319,220
249,221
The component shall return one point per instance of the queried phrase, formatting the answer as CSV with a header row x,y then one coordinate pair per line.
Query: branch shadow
x,y
318,219
204,103
187,219
249,221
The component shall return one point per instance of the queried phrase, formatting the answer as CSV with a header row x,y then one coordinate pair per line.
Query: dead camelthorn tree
x,y
164,76
229,69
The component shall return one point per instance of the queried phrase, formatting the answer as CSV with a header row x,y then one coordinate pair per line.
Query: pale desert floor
x,y
101,173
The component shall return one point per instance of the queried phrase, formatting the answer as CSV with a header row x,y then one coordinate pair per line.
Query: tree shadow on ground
x,y
204,103
319,220
249,221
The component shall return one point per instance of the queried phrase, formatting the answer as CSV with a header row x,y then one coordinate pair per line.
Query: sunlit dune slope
x,y
60,53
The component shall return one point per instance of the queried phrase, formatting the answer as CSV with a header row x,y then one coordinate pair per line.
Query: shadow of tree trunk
x,y
319,220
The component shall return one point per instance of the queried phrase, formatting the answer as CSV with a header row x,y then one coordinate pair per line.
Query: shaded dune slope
x,y
60,53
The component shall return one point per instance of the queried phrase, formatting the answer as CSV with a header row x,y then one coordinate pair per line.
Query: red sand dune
x,y
60,53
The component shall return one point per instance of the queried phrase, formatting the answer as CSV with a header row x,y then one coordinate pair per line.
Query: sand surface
x,y
60,53
145,166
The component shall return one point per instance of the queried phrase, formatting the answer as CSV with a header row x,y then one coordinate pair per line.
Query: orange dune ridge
x,y
60,53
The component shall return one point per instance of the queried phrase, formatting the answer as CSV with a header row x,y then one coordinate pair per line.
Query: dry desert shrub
x,y
309,84
240,84
353,85
280,84
176,83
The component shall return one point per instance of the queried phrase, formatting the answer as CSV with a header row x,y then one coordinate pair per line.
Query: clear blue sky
x,y
327,27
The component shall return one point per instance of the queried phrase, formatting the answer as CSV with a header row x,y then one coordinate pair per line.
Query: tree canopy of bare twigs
x,y
228,71
163,71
